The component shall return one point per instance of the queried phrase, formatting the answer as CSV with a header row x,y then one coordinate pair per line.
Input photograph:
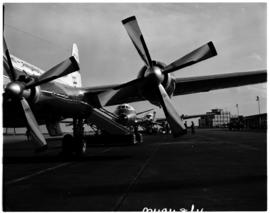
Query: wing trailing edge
x,y
199,84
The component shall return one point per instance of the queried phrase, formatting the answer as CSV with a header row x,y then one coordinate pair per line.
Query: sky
x,y
43,34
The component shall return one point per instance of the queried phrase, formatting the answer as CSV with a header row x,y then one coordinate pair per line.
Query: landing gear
x,y
75,144
67,145
80,146
139,138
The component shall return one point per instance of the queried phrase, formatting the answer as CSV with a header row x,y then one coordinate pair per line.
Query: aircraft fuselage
x,y
51,101
126,114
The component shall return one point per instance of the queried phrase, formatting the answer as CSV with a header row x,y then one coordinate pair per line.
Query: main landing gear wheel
x,y
67,144
80,146
136,138
132,138
139,138
72,145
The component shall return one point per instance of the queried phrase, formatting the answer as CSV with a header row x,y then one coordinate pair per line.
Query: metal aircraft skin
x,y
29,100
127,115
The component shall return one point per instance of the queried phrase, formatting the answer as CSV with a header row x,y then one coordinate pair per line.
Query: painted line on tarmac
x,y
46,170
36,173
122,199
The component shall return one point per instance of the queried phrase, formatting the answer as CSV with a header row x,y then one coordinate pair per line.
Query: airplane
x,y
149,123
31,100
126,115
152,124
33,97
162,122
156,83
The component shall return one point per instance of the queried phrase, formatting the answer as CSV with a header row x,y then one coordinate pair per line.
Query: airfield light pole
x,y
259,107
237,109
258,99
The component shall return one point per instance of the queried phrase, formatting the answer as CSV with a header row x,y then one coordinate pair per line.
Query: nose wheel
x,y
75,144
139,138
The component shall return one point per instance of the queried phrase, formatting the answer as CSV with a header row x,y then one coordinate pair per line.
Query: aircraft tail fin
x,y
75,52
73,79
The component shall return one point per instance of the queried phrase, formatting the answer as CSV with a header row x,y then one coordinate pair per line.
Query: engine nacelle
x,y
16,89
35,94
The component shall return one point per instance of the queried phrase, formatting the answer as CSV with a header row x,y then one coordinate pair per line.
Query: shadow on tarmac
x,y
59,159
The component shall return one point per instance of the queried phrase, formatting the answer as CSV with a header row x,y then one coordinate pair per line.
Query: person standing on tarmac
x,y
186,127
192,127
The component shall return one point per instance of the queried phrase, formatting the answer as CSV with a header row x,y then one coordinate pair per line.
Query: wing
x,y
118,94
206,83
129,92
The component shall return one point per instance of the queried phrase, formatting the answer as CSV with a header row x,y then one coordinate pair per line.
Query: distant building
x,y
215,118
236,123
221,118
258,121
206,121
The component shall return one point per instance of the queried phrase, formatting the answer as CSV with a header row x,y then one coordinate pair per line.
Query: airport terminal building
x,y
215,118
219,118
258,121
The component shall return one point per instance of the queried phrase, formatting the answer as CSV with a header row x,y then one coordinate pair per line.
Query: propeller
x,y
202,53
15,90
7,62
33,126
136,37
173,118
156,75
64,68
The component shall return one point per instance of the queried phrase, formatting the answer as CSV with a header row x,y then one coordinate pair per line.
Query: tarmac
x,y
212,170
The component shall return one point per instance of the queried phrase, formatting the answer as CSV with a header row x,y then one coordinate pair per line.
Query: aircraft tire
x,y
132,138
67,144
80,147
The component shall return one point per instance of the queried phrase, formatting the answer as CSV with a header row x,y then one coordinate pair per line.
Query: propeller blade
x,y
173,118
134,32
64,68
202,53
7,63
38,138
